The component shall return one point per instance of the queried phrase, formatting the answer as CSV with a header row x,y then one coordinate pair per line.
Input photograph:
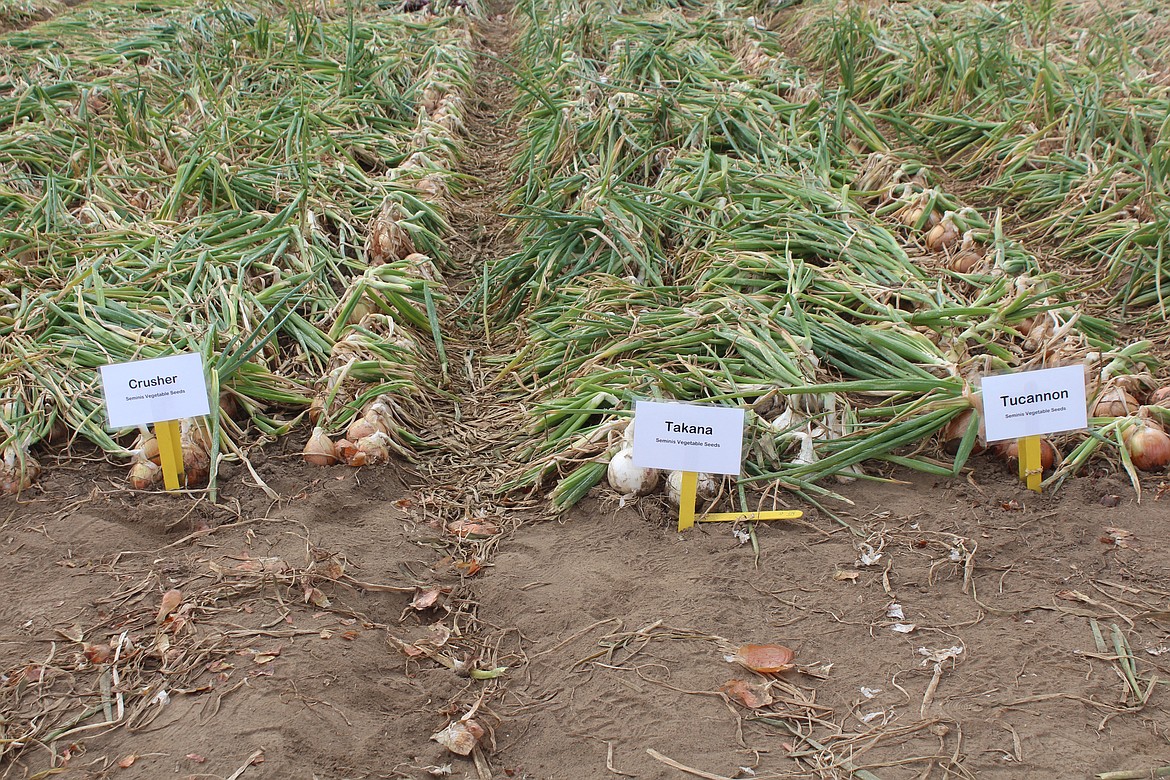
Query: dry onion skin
x,y
144,474
764,659
1160,397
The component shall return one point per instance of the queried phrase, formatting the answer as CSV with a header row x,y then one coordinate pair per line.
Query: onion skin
x,y
316,409
944,235
372,450
196,466
1148,446
14,479
345,449
150,451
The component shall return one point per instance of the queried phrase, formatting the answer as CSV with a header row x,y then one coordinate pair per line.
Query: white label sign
x,y
1051,400
150,391
688,437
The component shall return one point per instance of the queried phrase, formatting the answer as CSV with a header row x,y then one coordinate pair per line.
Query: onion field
x,y
842,237
840,217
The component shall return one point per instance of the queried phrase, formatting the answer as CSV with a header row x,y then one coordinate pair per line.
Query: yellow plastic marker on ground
x,y
686,508
1031,467
170,452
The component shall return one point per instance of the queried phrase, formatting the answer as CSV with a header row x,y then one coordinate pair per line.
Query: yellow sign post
x,y
170,452
1031,465
686,508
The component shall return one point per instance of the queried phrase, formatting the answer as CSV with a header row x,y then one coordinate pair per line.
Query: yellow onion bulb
x,y
316,409
144,474
1114,402
17,473
149,451
1010,451
360,428
944,235
965,261
1160,397
380,415
373,450
196,466
1148,445
954,431
345,450
319,450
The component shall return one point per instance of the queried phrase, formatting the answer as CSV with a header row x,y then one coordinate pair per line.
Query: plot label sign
x,y
149,391
1051,400
688,437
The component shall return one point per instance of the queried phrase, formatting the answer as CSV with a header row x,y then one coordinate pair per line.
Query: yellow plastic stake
x,y
772,514
686,500
1031,468
170,451
686,508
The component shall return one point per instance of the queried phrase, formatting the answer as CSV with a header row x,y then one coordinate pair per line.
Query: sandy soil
x,y
960,628
613,627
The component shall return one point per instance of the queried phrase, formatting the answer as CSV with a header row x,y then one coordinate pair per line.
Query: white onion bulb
x,y
628,479
705,487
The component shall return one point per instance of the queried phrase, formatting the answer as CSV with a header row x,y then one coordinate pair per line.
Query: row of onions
x,y
1056,112
258,184
702,221
18,13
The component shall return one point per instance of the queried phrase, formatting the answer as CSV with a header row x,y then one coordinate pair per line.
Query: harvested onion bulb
x,y
1148,445
1114,402
17,474
319,449
954,431
144,474
360,428
705,488
372,450
629,479
1010,451
944,235
196,453
1160,397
